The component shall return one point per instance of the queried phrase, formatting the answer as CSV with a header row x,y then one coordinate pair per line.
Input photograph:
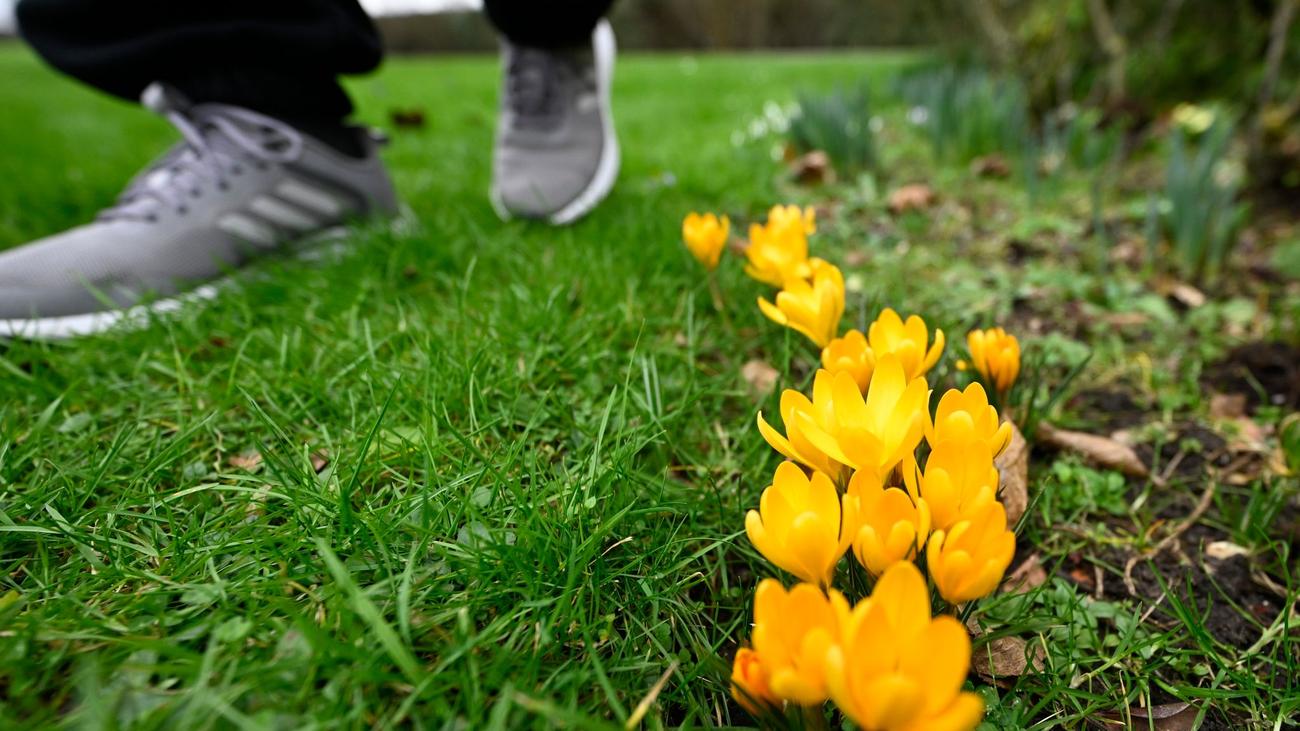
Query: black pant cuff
x,y
286,95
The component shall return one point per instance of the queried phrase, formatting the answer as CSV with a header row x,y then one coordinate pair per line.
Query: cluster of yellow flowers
x,y
869,472
887,663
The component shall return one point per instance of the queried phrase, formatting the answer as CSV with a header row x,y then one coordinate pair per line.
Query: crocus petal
x,y
939,659
772,312
936,350
964,714
777,442
902,594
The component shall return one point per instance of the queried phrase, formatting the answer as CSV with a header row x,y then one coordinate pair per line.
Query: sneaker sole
x,y
66,327
602,182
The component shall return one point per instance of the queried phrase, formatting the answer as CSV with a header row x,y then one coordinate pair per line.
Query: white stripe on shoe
x,y
312,199
283,214
244,227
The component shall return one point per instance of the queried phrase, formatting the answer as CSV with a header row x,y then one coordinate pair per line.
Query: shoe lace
x,y
536,80
200,161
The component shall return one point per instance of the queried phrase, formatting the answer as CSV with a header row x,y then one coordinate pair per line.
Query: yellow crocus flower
x,y
749,683
907,340
872,434
968,416
813,308
896,668
967,561
852,355
793,631
706,237
791,217
794,445
802,524
996,355
895,524
959,480
778,250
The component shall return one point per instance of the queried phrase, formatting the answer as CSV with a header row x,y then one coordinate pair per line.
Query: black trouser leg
x,y
278,57
546,23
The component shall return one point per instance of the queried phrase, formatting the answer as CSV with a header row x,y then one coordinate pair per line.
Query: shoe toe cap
x,y
538,195
65,274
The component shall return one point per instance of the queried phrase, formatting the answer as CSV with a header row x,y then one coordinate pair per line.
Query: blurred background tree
x,y
1134,60
699,24
1142,52
1137,59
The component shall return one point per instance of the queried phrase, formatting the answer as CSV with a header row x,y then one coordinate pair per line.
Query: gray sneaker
x,y
556,154
240,185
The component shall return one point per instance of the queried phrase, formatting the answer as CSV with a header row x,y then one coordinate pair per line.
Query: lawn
x,y
531,437
475,475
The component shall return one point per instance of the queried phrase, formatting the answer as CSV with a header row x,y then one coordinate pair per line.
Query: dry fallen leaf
x,y
1181,292
1249,436
1013,466
1246,435
1103,451
1227,405
760,376
1125,319
412,118
1225,549
249,460
813,168
990,166
1006,657
1178,716
914,197
1128,251
1124,436
1188,295
319,460
1028,575
856,257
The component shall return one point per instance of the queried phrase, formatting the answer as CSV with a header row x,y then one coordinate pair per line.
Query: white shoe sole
x,y
604,50
312,248
92,323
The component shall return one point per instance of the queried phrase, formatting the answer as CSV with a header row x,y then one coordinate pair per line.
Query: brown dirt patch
x,y
1264,372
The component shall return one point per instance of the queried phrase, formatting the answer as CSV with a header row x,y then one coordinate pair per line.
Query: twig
x,y
1277,37
1168,471
644,706
1154,606
1113,46
1278,33
1201,506
999,38
1168,16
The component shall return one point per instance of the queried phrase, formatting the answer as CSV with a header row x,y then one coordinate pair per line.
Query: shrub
x,y
1200,212
966,113
839,124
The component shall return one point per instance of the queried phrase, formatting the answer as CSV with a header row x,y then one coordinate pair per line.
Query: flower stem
x,y
814,718
719,302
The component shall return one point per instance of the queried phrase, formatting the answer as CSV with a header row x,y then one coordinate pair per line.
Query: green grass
x,y
528,513
504,467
